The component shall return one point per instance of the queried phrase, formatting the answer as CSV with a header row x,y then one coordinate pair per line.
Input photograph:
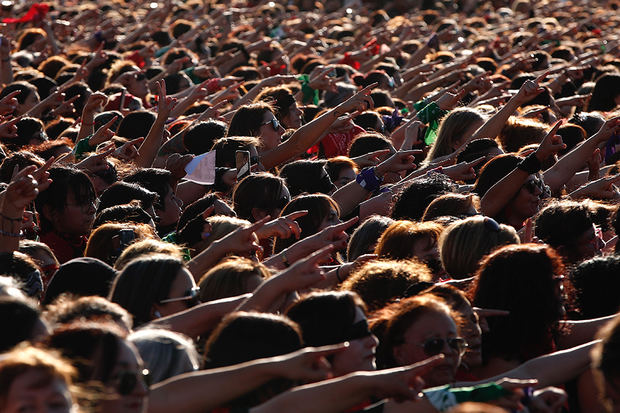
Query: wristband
x,y
309,94
368,180
213,85
11,234
338,274
285,260
531,164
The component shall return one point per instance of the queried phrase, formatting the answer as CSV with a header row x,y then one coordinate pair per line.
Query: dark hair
x,y
242,337
80,89
44,85
367,120
121,193
131,212
173,82
318,207
366,236
68,309
263,191
195,209
104,117
21,159
572,135
368,142
200,137
415,197
153,179
64,181
280,98
590,122
606,89
81,277
521,279
225,149
27,128
136,124
596,284
306,176
17,320
145,281
248,120
325,317
25,89
493,171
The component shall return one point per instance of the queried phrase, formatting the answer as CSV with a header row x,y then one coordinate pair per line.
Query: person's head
x,y
595,282
519,132
232,277
154,286
108,241
165,353
242,337
167,206
136,124
23,269
323,212
82,276
572,135
370,142
105,361
606,362
42,255
525,203
526,280
285,107
200,137
199,206
257,120
415,329
27,98
306,176
591,122
341,170
67,206
464,243
147,247
34,379
452,204
458,126
226,149
120,193
569,228
413,200
380,282
30,131
335,317
259,195
606,93
407,239
364,238
20,319
131,212
69,308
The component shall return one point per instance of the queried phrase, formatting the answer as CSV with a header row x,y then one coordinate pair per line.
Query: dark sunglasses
x,y
127,381
491,224
357,331
191,296
139,76
434,346
533,184
274,124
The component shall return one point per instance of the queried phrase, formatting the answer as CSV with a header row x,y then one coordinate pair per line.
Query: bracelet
x,y
11,234
531,164
285,260
11,219
309,95
368,180
338,274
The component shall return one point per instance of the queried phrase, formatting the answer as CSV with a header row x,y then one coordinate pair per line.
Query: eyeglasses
x,y
491,224
274,124
533,184
139,76
434,346
190,295
127,381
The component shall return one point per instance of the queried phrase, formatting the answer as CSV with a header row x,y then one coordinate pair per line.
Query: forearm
x,y
6,70
493,127
148,149
349,196
581,331
87,125
564,169
200,319
207,259
496,198
173,145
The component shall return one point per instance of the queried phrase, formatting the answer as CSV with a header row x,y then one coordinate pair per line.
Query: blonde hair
x,y
146,247
464,243
229,278
222,225
451,129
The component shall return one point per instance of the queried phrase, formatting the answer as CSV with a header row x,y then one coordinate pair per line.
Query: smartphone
x,y
242,159
126,237
121,104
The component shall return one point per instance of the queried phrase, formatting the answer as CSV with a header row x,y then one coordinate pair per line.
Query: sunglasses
x,y
139,76
274,124
491,224
127,381
434,346
191,296
533,184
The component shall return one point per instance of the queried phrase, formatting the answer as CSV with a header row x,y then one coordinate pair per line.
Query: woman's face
x,y
527,201
76,218
360,355
345,176
435,326
270,131
472,333
33,392
126,383
332,218
293,120
180,295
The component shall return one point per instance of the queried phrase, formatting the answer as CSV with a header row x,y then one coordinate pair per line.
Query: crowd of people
x,y
402,206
